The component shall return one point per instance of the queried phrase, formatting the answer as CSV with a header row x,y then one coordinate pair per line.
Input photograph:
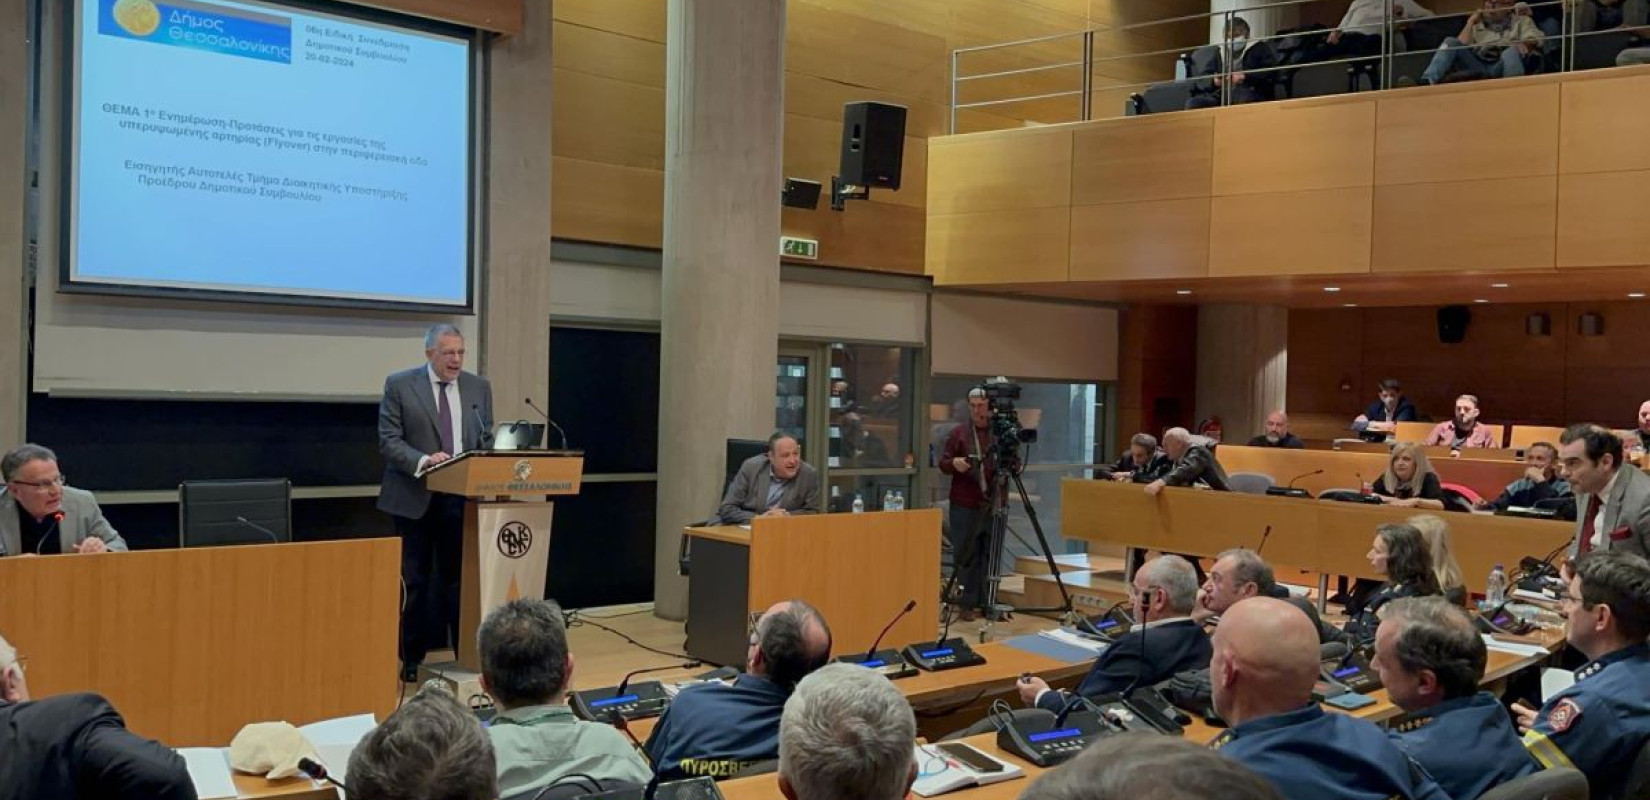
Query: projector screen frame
x,y
475,187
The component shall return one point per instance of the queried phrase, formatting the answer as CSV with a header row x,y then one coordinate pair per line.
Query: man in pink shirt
x,y
1464,430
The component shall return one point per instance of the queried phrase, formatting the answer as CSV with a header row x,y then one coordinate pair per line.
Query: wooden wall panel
x,y
865,51
1000,171
600,119
1491,224
1598,115
593,51
1140,241
638,19
1467,133
1125,161
607,203
1022,246
1602,219
1291,233
498,16
887,235
1325,350
1278,147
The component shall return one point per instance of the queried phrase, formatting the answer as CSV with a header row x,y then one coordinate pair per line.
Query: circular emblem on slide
x,y
515,539
137,17
523,469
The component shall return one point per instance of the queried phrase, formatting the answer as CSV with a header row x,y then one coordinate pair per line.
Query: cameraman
x,y
964,459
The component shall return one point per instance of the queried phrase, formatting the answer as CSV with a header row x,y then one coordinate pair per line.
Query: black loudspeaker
x,y
873,144
1452,324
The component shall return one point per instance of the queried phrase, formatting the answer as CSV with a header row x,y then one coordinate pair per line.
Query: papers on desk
x,y
209,771
1072,638
1555,680
938,773
1516,648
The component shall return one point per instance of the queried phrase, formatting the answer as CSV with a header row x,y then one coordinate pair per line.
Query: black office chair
x,y
1558,783
738,451
214,513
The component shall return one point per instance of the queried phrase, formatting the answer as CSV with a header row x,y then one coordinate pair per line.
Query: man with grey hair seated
x,y
1239,574
41,515
432,747
1165,640
1194,463
1431,658
846,734
1135,766
1143,462
526,668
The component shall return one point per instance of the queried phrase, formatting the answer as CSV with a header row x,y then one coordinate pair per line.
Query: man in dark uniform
x,y
1431,659
1165,642
1265,663
716,730
1601,723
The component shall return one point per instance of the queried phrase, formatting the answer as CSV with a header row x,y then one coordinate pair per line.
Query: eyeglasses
x,y
45,485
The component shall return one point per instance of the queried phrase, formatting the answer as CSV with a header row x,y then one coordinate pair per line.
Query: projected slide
x,y
251,147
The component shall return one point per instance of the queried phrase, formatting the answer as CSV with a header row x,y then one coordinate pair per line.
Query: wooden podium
x,y
506,540
857,569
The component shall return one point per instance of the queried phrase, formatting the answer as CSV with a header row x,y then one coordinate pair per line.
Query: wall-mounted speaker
x,y
1452,324
873,144
1590,324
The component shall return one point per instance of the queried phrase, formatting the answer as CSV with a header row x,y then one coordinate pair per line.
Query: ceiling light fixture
x,y
1183,291
1332,289
1499,285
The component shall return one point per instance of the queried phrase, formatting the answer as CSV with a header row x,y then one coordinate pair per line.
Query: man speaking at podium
x,y
40,515
429,414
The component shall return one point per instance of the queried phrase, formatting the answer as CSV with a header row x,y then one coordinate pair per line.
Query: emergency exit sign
x,y
793,247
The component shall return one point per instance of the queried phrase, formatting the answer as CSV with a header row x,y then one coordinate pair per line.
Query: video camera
x,y
1006,430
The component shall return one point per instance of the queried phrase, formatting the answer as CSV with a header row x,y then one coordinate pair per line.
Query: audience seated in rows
x,y
1409,480
1435,531
1277,433
1147,767
1464,430
718,730
1239,574
1265,663
1602,722
526,668
1194,463
431,748
846,732
1431,660
1498,41
1143,462
1399,554
77,746
1541,482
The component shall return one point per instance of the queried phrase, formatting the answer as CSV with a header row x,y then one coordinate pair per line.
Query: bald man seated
x,y
1277,433
715,729
1265,663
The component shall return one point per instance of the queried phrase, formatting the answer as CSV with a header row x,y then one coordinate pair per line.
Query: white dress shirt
x,y
1369,16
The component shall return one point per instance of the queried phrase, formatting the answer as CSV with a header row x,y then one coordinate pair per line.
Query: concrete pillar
x,y
1242,366
719,332
14,250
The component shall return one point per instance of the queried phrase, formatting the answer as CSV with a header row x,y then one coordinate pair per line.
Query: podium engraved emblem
x,y
523,470
514,539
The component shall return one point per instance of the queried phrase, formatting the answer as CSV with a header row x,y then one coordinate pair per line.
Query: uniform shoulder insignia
x,y
1221,740
1415,723
1564,714
1590,670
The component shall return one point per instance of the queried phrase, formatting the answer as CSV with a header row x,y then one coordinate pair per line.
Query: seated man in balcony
x,y
1361,29
1603,15
1463,430
1245,56
1494,43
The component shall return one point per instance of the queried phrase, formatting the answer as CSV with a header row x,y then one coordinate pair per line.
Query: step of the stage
x,y
1092,591
1070,562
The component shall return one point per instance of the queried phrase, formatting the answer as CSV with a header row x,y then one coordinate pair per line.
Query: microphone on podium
x,y
57,521
486,437
888,662
542,413
259,528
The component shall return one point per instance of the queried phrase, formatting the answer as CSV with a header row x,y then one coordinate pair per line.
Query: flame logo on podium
x,y
515,539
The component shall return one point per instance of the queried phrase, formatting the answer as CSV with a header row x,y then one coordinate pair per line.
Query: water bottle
x,y
899,500
859,503
888,500
1495,589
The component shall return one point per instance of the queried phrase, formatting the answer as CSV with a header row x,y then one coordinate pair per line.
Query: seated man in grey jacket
x,y
39,515
1194,463
777,483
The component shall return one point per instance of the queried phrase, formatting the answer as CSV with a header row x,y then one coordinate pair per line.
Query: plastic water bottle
x,y
859,503
1495,589
899,500
888,500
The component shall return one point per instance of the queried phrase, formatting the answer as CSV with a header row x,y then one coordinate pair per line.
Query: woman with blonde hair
x,y
1435,530
1409,480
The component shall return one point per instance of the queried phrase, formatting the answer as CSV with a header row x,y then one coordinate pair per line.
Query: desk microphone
x,y
486,437
1266,533
889,662
318,771
1291,483
1073,703
624,682
543,413
57,520
646,699
259,528
910,605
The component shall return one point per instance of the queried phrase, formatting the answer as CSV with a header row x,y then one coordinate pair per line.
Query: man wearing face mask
x,y
1277,433
1390,407
1243,57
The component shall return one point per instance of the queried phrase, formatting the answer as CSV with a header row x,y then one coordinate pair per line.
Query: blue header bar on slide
x,y
199,26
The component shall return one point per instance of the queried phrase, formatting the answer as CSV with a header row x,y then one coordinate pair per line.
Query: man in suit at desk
x,y
1194,463
1612,500
40,515
429,414
777,483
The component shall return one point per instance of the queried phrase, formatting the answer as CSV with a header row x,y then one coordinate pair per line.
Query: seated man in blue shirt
x,y
1541,481
1431,658
1164,641
526,668
717,730
1599,724
1265,664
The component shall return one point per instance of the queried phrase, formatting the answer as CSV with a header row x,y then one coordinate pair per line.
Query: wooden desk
x,y
1318,536
190,645
766,787
1342,468
859,570
249,786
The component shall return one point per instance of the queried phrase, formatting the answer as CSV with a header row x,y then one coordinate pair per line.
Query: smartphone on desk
x,y
1350,701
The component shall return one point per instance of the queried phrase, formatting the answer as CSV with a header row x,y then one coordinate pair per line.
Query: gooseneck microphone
x,y
259,528
486,437
1264,535
1291,483
910,605
624,682
57,521
318,771
546,415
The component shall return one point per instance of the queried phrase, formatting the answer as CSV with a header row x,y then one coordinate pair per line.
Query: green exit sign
x,y
792,247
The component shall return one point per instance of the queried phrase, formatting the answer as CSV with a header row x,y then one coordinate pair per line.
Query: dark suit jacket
x,y
1156,467
1169,648
408,430
1198,464
76,746
747,495
1628,506
82,519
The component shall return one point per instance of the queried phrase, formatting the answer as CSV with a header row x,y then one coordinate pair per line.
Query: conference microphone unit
x,y
259,528
57,520
1290,490
486,437
546,415
626,701
318,771
888,662
943,653
1074,729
